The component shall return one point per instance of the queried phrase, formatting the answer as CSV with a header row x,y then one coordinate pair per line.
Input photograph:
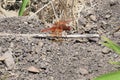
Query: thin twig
x,y
56,16
50,36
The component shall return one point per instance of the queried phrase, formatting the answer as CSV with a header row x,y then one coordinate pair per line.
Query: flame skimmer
x,y
58,28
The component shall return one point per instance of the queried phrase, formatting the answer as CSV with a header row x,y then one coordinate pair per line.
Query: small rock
x,y
107,16
105,50
26,22
83,71
93,17
9,61
88,26
33,69
40,44
2,58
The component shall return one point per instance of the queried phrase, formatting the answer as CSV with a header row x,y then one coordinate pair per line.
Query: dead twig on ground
x,y
50,36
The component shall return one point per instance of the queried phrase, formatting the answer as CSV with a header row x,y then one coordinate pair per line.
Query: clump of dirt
x,y
71,59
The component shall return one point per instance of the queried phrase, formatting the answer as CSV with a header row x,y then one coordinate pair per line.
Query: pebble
x,y
25,22
33,69
105,50
9,61
107,16
2,58
93,18
83,71
88,26
40,44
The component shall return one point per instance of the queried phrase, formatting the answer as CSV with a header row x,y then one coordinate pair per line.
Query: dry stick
x,y
63,4
50,36
54,10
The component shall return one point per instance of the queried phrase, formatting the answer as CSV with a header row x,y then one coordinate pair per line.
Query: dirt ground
x,y
71,59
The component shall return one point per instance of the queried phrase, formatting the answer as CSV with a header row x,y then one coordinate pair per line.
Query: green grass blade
x,y
113,75
109,76
23,6
110,44
114,63
113,47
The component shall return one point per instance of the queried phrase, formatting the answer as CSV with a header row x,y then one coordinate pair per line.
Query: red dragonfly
x,y
58,28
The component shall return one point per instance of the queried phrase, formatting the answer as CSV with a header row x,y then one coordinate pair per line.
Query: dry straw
x,y
50,36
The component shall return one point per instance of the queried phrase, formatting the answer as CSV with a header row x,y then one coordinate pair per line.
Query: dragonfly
x,y
58,27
